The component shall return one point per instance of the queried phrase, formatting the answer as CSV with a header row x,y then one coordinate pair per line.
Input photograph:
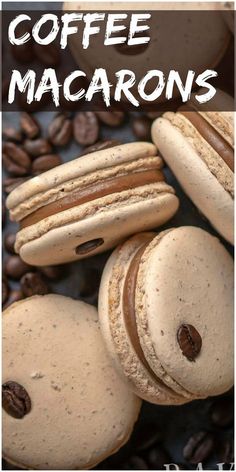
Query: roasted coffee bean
x,y
157,457
86,128
153,114
44,163
100,145
32,283
90,283
88,246
5,290
146,436
142,128
225,451
15,399
111,118
9,241
222,412
14,296
37,147
12,134
48,54
4,212
60,130
12,182
199,447
53,272
29,125
189,340
15,160
14,267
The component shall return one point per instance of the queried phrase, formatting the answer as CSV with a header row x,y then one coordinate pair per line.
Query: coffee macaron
x,y
198,146
64,406
90,204
166,314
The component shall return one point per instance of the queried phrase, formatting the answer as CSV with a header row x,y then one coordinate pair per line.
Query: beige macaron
x,y
64,406
90,204
198,146
166,313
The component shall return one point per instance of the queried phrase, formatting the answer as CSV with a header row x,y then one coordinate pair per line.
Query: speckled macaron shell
x,y
81,410
186,277
202,173
115,333
113,217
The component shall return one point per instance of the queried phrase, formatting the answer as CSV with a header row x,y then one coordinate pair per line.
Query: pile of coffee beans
x,y
199,432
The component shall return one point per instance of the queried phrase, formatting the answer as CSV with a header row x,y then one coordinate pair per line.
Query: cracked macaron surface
x,y
91,203
182,348
81,411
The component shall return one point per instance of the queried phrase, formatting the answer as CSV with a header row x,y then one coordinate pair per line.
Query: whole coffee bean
x,y
60,130
32,283
142,128
48,54
100,145
86,128
88,246
12,134
29,125
222,412
90,283
53,272
44,163
15,160
225,451
157,457
146,436
15,399
189,340
10,183
14,267
5,290
111,118
9,242
4,212
14,296
198,447
37,147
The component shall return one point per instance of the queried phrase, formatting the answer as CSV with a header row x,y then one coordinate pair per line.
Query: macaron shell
x,y
81,410
79,167
114,329
191,270
194,176
55,239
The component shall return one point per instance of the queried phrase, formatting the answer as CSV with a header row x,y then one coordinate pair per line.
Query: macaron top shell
x,y
81,411
186,277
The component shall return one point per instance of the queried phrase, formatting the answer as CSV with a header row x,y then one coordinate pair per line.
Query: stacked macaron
x,y
165,308
91,204
198,146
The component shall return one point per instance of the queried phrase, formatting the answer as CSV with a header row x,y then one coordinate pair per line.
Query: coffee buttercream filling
x,y
216,141
93,192
130,317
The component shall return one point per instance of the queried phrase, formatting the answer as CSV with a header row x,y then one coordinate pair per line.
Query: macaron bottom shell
x,y
64,237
